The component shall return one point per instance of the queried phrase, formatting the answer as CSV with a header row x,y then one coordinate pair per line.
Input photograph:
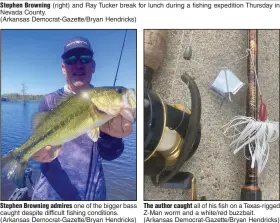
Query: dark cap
x,y
75,44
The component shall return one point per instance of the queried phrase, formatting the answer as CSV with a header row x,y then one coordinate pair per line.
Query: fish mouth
x,y
132,95
128,109
129,98
128,114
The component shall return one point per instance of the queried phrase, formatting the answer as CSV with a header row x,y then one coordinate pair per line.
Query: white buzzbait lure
x,y
246,131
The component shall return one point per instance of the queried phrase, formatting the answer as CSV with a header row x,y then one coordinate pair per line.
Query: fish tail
x,y
14,167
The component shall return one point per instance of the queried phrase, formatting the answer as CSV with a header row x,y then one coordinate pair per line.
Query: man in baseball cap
x,y
73,170
78,64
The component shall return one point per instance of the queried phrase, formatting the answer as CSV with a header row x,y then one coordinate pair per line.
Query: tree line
x,y
19,97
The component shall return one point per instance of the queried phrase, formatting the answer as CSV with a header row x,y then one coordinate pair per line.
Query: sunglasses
x,y
84,59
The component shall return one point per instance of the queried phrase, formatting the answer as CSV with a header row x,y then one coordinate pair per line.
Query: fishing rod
x,y
120,58
251,189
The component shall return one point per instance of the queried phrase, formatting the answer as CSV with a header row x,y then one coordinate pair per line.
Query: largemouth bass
x,y
75,115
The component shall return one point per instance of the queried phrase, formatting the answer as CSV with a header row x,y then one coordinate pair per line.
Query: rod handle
x,y
251,194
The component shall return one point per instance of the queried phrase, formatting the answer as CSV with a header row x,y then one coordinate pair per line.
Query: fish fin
x,y
94,134
14,168
38,118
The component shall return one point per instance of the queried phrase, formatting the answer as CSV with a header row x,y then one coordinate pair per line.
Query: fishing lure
x,y
256,134
243,131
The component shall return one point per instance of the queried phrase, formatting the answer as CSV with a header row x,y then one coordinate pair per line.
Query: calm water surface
x,y
120,174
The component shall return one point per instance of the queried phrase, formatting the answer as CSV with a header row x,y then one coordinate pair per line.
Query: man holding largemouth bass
x,y
77,126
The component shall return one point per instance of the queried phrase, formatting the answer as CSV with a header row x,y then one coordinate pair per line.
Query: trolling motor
x,y
171,134
21,194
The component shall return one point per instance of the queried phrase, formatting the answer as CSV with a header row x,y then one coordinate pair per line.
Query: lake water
x,y
120,174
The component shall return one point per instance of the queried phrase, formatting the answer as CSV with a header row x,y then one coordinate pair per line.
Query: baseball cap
x,y
77,43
